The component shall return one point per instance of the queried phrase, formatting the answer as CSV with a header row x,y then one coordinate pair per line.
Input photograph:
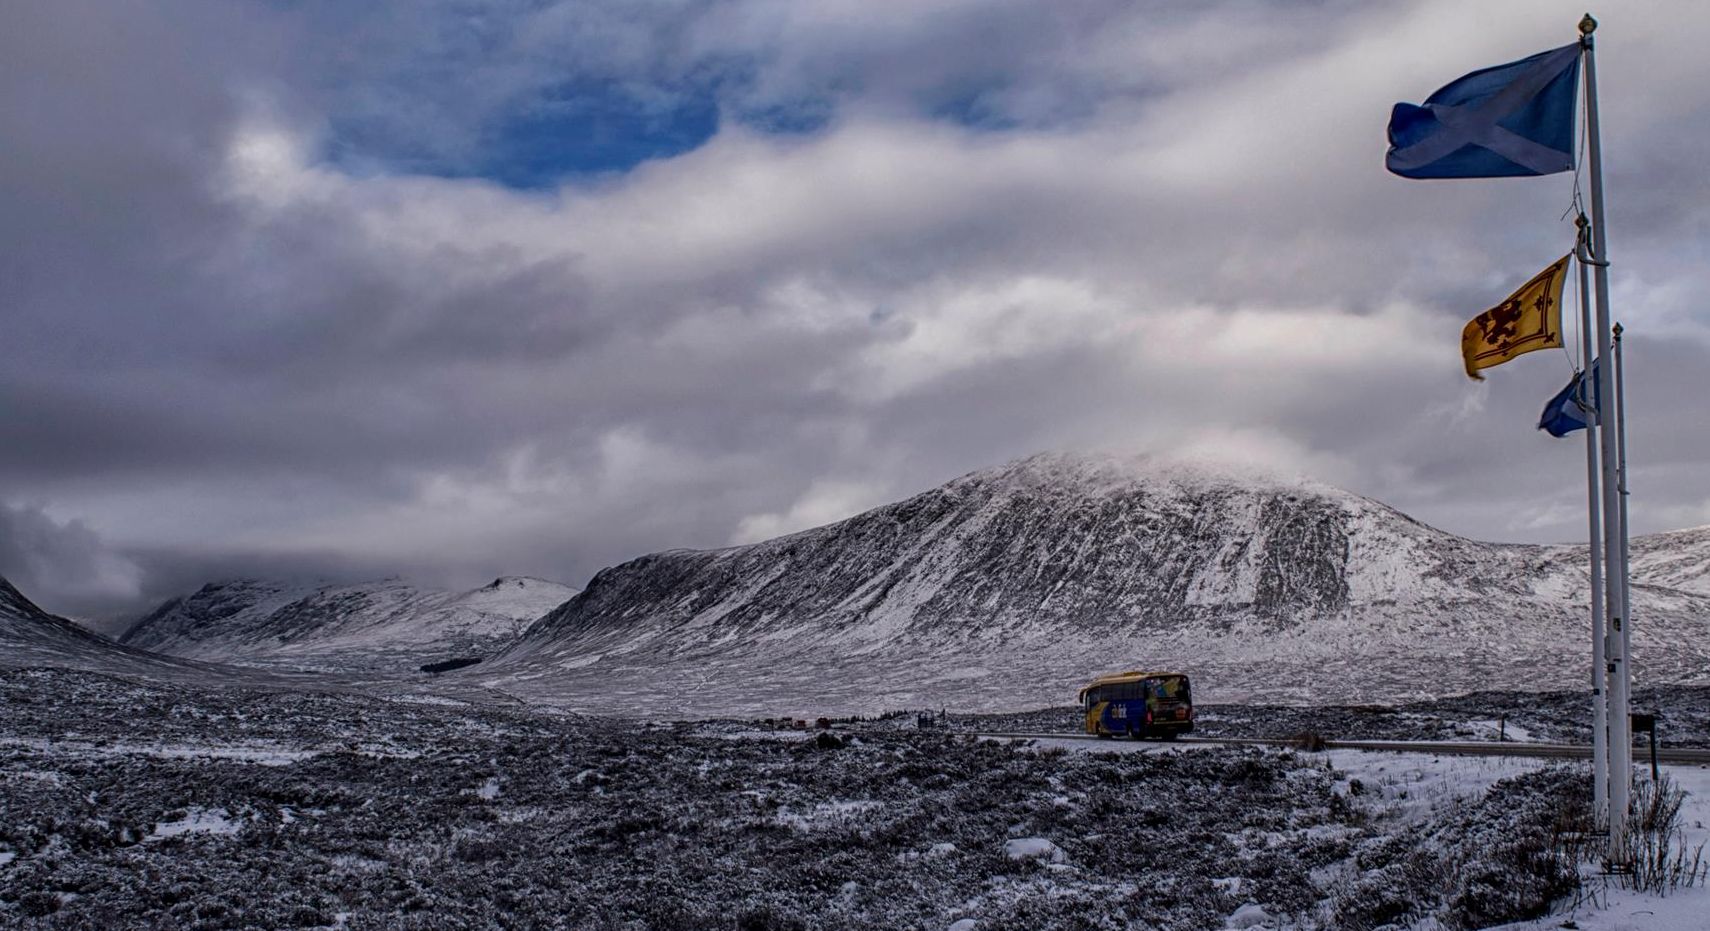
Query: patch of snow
x,y
1229,884
428,700
1033,848
259,754
824,813
1410,786
1251,915
197,821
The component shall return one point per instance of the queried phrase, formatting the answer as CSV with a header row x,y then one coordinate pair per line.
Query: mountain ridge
x,y
31,636
384,626
1047,570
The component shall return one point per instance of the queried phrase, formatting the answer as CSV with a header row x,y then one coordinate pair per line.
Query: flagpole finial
x,y
1617,331
1587,25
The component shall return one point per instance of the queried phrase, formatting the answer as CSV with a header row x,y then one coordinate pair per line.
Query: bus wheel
x,y
1171,735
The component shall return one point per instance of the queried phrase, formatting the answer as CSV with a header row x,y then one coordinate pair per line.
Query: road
x,y
1455,748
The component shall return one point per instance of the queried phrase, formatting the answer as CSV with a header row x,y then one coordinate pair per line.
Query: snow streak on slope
x,y
377,627
1011,587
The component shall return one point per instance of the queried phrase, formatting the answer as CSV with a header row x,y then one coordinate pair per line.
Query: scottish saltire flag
x,y
1574,407
1510,120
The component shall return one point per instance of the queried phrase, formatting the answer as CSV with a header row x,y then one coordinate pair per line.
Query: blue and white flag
x,y
1510,120
1574,407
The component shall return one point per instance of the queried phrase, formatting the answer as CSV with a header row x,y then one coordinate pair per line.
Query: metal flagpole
x,y
1621,480
1599,629
1615,589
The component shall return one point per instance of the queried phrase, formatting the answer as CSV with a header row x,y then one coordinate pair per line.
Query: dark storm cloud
x,y
67,561
289,289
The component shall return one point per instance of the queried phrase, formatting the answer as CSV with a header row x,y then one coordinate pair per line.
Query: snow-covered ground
x,y
132,804
1613,908
1408,788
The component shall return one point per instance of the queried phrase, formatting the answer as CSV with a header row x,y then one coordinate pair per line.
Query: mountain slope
x,y
1674,560
31,637
1012,586
373,627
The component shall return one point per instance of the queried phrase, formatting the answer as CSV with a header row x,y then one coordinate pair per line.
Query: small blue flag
x,y
1574,407
1507,121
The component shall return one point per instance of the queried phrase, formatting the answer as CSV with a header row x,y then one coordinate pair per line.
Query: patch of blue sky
x,y
570,133
585,130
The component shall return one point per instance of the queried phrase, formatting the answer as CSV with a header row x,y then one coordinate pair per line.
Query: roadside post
x,y
1648,724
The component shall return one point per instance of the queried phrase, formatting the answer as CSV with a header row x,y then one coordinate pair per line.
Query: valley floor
x,y
127,804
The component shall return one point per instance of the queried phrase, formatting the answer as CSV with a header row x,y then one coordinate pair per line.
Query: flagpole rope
x,y
1576,209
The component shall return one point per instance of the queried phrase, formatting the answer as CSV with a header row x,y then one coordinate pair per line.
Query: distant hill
x,y
386,627
31,637
1010,587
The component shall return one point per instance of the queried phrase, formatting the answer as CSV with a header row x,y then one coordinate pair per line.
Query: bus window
x,y
1173,688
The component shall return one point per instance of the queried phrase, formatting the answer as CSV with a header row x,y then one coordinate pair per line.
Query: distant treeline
x,y
450,664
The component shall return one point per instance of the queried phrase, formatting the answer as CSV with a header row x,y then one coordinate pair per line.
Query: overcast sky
x,y
456,289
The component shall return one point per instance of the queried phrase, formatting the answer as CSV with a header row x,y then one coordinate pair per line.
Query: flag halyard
x,y
1529,320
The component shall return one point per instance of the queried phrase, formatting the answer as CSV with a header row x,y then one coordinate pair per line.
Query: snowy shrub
x,y
1496,859
1661,860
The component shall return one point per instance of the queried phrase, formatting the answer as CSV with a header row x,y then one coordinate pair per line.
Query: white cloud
x,y
825,501
1180,238
63,565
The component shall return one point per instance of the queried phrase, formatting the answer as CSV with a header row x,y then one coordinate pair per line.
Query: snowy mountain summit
x,y
385,626
1012,586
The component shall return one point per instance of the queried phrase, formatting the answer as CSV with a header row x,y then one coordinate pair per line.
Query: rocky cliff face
x,y
374,627
1010,587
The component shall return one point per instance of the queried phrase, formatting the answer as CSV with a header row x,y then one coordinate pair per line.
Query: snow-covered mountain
x,y
375,627
1013,586
32,637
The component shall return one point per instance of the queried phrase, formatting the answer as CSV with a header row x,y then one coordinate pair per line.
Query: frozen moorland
x,y
125,803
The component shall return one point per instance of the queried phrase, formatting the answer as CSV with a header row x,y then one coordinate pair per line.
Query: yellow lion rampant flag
x,y
1530,319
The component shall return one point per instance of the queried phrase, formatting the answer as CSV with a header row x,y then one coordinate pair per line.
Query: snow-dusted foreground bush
x,y
134,806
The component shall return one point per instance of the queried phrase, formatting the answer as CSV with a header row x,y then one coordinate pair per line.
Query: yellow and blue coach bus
x,y
1139,704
